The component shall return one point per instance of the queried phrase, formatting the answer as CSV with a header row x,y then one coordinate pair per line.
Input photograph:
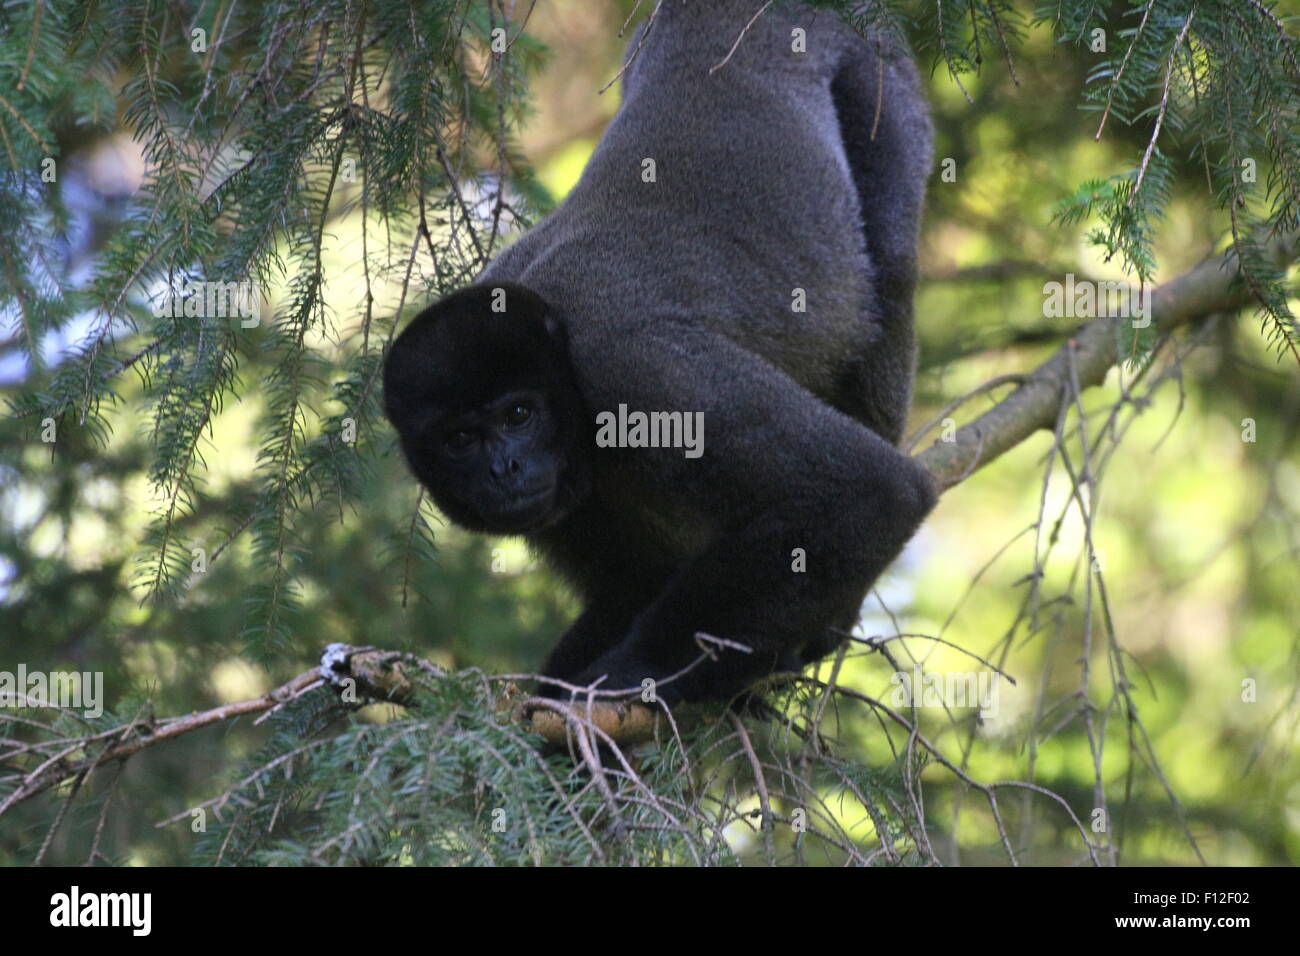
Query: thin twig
x,y
735,46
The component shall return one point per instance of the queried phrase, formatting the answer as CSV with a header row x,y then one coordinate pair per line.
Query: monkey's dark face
x,y
498,467
487,413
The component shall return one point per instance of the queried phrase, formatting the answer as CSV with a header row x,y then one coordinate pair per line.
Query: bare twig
x,y
735,46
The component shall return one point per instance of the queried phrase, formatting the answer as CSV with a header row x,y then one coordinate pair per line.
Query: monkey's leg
x,y
886,134
805,509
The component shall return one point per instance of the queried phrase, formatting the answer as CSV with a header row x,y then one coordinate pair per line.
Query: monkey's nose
x,y
507,468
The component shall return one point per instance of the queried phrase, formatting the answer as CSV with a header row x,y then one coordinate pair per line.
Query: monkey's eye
x,y
518,415
460,441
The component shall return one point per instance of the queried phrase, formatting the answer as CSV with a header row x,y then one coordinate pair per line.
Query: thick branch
x,y
359,674
1208,288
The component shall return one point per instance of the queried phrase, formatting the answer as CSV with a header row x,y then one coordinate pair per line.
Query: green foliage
x,y
456,781
1220,80
1130,204
245,138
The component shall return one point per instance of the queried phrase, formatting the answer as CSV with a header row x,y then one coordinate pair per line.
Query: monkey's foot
x,y
625,722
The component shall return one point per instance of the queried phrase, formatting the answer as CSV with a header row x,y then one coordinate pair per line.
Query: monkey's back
x,y
721,199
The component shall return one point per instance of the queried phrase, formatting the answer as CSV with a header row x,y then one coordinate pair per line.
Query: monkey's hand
x,y
620,676
693,671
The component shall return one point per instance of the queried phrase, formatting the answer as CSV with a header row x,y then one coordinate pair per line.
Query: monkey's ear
x,y
519,299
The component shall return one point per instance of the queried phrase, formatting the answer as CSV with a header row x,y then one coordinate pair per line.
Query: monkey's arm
x,y
806,507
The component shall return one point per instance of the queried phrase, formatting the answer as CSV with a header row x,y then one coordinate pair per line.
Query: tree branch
x,y
1208,288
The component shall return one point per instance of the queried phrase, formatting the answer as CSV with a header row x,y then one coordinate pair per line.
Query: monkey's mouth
x,y
523,512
